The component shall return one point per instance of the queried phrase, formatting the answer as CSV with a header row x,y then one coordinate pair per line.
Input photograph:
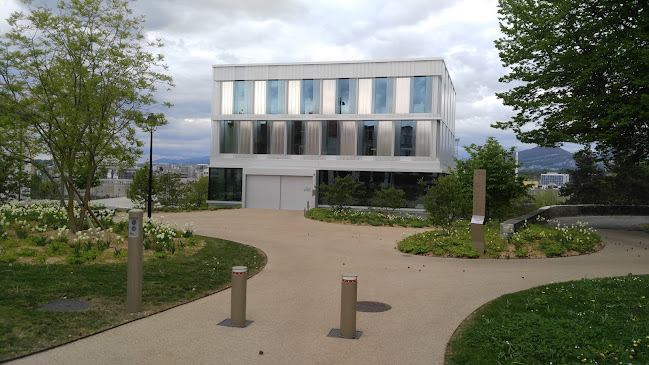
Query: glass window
x,y
382,98
242,97
331,138
310,103
225,184
421,94
367,138
228,136
345,96
276,97
261,137
296,137
405,138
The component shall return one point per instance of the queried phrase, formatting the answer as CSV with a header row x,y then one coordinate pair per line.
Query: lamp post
x,y
340,105
151,118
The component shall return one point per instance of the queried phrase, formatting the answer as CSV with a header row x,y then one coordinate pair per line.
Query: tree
x,y
196,195
13,178
138,191
581,73
447,200
389,198
170,190
342,192
452,195
586,185
79,79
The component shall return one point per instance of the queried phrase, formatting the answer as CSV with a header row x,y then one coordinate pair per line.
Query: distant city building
x,y
111,188
553,179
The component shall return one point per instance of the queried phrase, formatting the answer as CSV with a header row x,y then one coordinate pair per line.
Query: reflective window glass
x,y
421,94
382,98
224,184
310,103
345,96
242,97
228,137
276,97
367,138
261,137
331,138
296,137
405,138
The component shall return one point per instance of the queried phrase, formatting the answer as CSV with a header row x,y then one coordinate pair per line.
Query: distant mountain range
x,y
185,161
543,158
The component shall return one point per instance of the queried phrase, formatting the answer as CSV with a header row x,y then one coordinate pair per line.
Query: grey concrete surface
x,y
620,222
295,301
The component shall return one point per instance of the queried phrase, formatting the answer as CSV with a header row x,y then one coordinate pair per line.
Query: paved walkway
x,y
295,301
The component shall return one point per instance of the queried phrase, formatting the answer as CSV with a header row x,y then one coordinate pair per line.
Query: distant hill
x,y
544,158
185,161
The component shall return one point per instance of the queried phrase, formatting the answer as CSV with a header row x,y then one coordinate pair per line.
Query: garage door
x,y
295,192
262,192
279,192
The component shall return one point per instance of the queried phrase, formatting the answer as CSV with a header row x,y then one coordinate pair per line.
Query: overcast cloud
x,y
200,33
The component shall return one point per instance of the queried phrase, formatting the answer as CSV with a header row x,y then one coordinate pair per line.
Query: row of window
x,y
297,142
346,96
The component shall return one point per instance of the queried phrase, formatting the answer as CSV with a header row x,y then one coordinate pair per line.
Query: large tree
x,y
79,78
579,70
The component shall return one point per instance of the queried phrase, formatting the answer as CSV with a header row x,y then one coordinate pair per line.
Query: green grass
x,y
368,218
644,227
600,321
24,288
533,241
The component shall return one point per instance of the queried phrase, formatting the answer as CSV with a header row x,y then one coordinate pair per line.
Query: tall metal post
x,y
150,203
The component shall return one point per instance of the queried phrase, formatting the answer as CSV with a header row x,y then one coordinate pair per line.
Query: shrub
x,y
389,198
342,192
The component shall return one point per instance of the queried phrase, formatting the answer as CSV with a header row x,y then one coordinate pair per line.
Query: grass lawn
x,y
600,321
167,281
534,241
367,218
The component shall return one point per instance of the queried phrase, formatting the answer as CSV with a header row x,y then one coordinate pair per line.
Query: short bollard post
x,y
238,302
134,266
348,297
238,299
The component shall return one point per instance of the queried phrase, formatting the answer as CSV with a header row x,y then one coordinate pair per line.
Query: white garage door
x,y
279,192
295,192
262,192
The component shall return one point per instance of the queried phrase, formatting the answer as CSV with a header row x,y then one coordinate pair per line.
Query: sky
x,y
200,33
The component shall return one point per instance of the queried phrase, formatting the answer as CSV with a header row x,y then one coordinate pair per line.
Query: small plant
x,y
21,232
118,252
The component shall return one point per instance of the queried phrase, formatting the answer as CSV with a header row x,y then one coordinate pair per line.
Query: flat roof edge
x,y
329,62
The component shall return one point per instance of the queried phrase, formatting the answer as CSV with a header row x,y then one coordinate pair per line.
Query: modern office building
x,y
553,180
279,130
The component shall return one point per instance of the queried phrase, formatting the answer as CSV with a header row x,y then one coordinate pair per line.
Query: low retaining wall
x,y
555,211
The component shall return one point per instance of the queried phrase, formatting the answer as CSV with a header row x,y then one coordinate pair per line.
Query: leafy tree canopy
x,y
78,79
580,73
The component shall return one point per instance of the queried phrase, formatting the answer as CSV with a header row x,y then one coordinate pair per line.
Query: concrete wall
x,y
513,225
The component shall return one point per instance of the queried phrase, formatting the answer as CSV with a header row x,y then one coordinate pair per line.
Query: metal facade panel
x,y
227,97
402,95
278,138
385,138
365,96
260,97
436,95
294,96
216,99
424,138
244,138
348,138
313,129
328,96
215,140
330,70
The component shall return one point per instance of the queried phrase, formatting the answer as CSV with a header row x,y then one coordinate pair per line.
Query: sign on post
x,y
479,211
133,226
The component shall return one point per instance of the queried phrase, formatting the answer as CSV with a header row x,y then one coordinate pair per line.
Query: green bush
x,y
342,192
373,219
389,198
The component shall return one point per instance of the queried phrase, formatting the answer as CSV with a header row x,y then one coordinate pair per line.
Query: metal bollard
x,y
348,306
238,301
134,266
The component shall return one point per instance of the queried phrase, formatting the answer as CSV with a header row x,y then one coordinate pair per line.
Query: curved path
x,y
295,301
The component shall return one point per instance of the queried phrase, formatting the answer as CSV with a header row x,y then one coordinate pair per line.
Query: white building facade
x,y
279,130
553,179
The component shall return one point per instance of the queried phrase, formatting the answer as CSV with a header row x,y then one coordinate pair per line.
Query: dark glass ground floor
x,y
226,184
